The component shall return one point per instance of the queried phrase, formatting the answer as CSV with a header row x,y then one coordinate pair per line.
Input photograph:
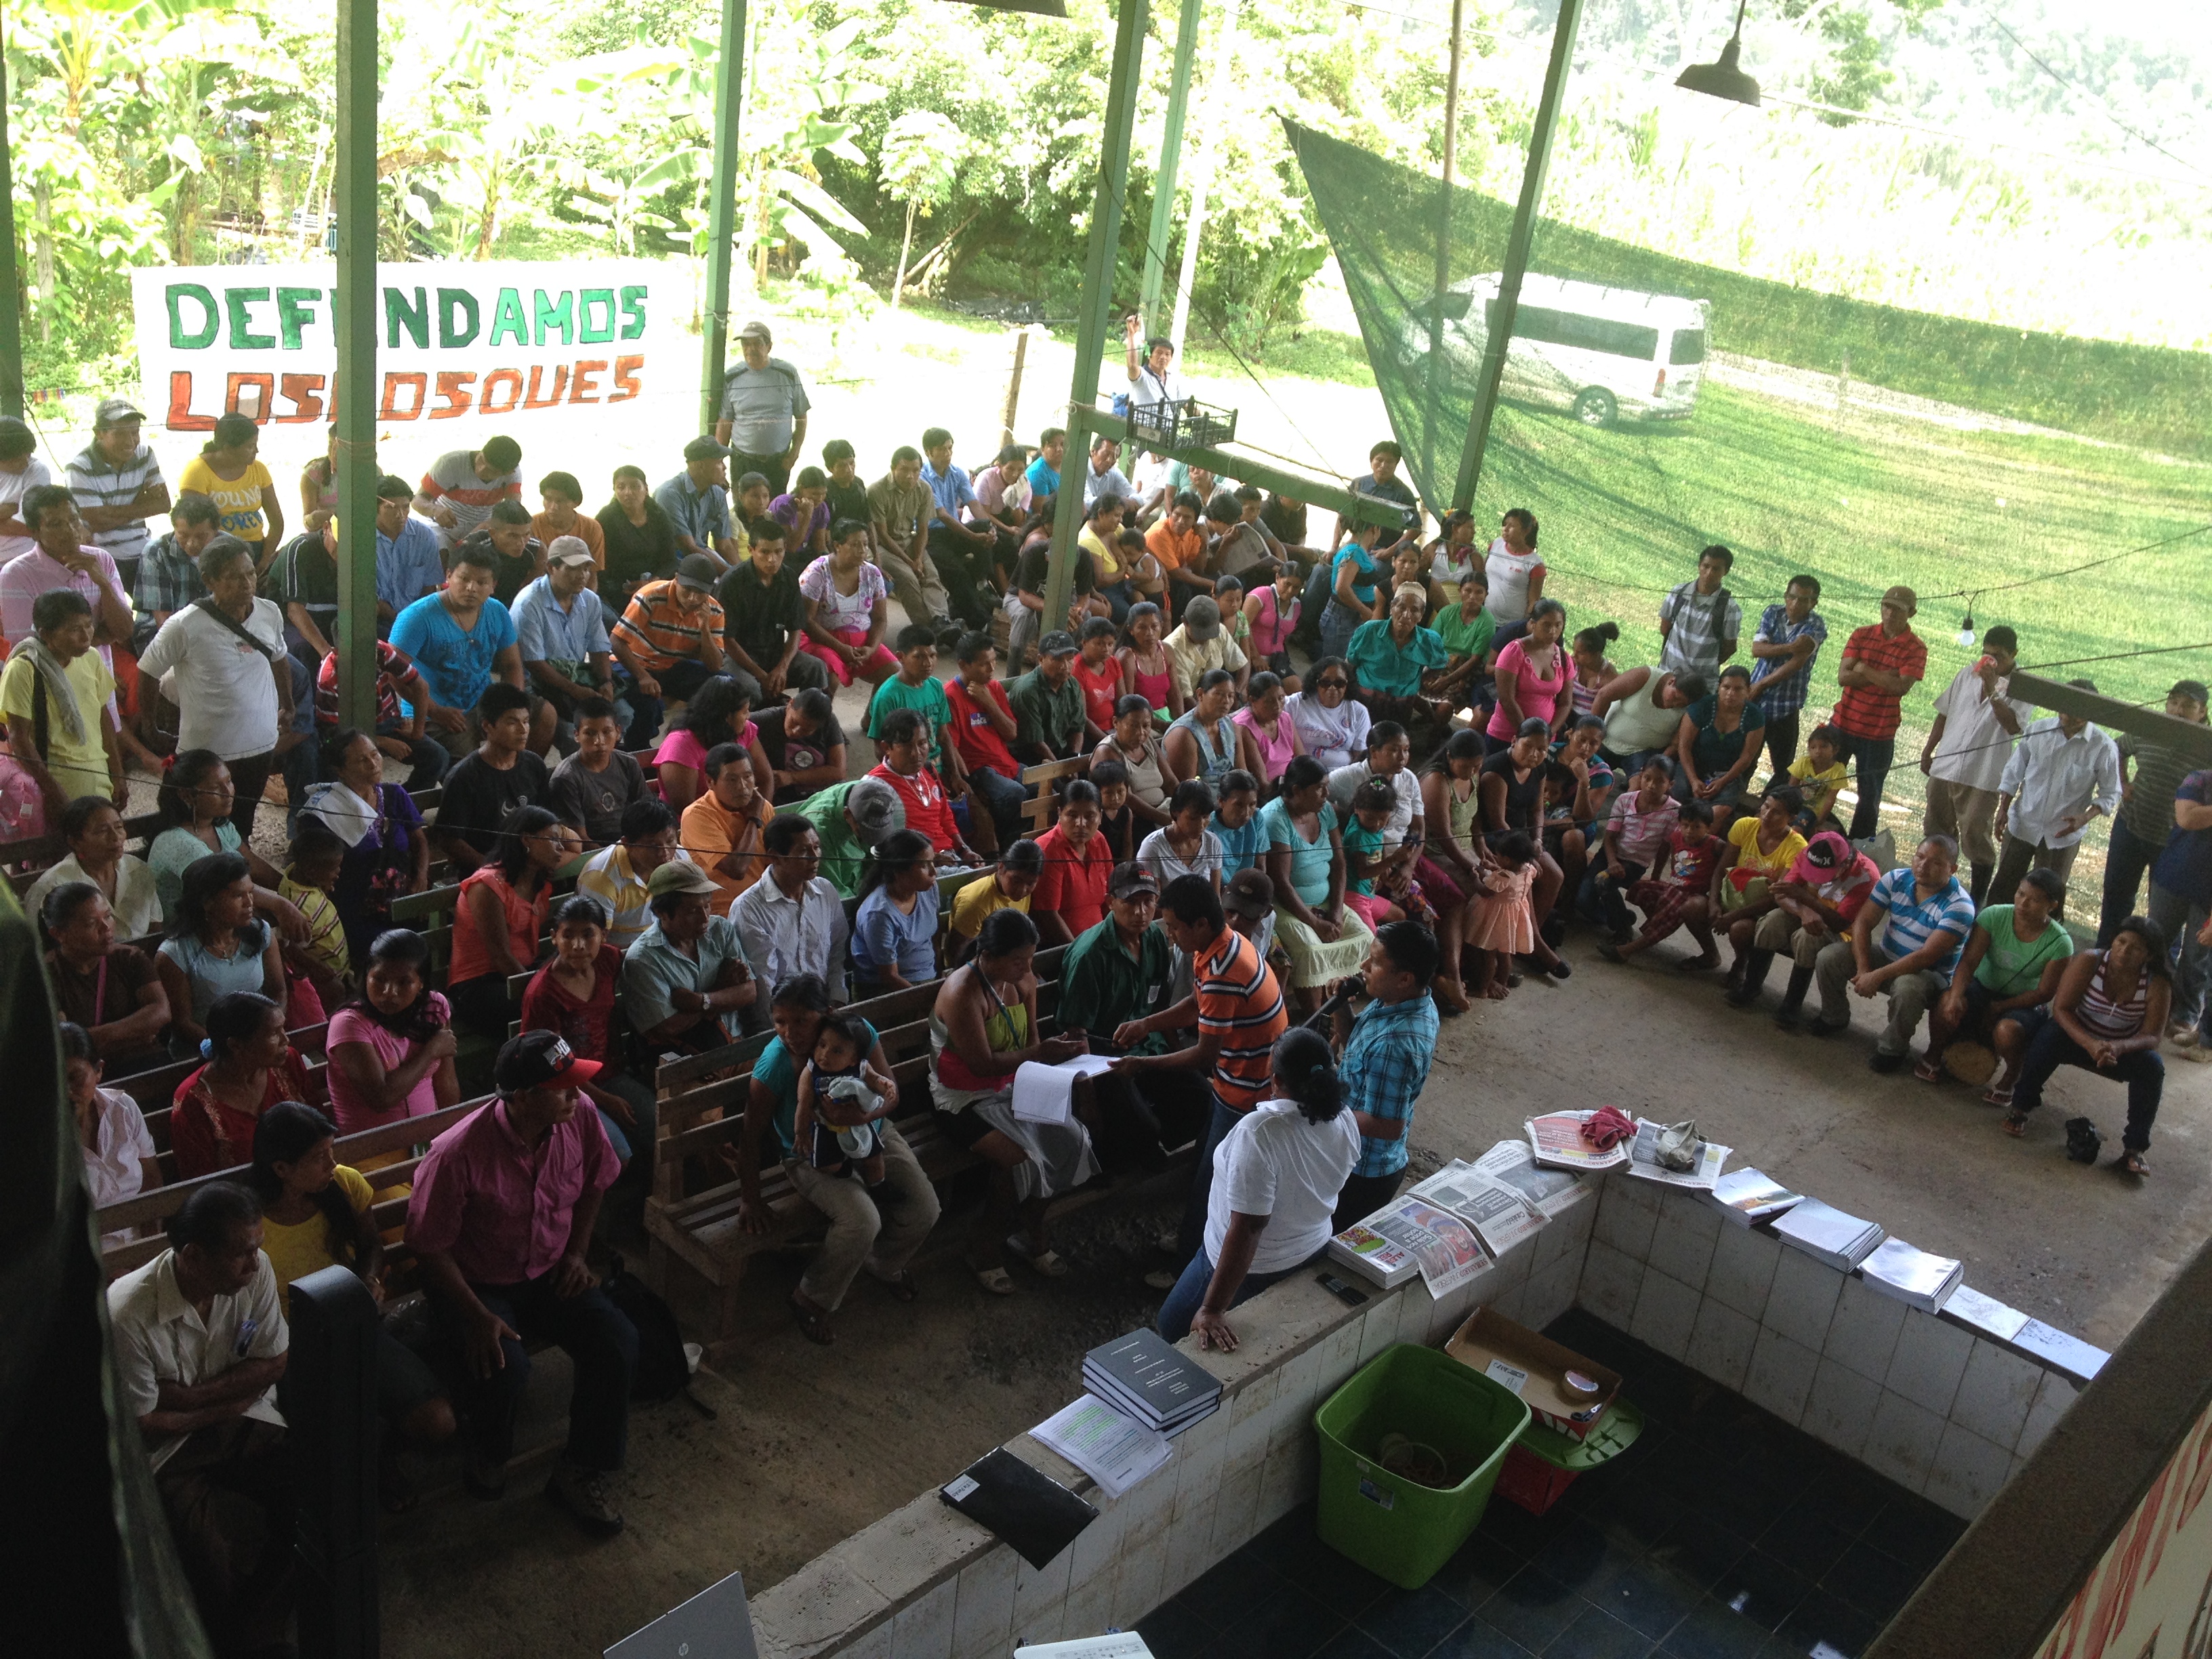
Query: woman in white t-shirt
x,y
21,472
1517,569
1276,1177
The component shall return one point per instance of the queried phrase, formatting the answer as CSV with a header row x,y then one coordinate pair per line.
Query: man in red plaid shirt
x,y
1882,662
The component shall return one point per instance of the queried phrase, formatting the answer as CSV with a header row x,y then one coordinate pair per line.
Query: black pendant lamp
x,y
1724,79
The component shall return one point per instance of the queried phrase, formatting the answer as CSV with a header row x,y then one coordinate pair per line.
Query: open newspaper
x,y
1500,1215
1643,1159
1409,1233
1556,1140
1549,1190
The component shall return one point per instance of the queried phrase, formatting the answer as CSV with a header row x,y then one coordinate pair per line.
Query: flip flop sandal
x,y
1048,1264
2015,1124
2134,1164
1929,1071
903,1288
995,1279
813,1323
1998,1095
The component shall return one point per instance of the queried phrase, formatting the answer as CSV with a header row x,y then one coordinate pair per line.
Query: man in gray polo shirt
x,y
118,485
763,411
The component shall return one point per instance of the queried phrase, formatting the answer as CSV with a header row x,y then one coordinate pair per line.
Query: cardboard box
x,y
1534,1367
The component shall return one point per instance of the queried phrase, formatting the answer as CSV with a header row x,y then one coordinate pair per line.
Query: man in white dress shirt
x,y
2065,773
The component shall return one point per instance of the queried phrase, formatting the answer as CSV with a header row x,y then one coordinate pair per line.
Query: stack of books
x,y
1144,1378
1912,1276
1827,1234
1749,1196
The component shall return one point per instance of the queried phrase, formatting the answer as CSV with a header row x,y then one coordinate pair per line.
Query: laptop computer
x,y
715,1624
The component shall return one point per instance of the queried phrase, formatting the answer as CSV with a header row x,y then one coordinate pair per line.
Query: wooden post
x,y
354,315
1014,387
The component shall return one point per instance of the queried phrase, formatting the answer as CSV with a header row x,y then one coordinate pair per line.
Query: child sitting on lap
x,y
840,1095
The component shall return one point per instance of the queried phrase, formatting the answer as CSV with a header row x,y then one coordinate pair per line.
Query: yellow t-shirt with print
x,y
238,499
296,1251
977,902
1817,787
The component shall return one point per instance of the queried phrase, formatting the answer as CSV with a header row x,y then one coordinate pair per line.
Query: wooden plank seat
x,y
29,859
155,1091
1041,810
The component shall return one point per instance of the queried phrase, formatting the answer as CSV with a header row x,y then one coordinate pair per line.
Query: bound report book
x,y
1912,1276
1821,1230
1749,1196
1142,1375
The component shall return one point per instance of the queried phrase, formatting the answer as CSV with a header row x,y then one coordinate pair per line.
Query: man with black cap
x,y
499,1220
1048,704
688,970
764,409
697,502
670,640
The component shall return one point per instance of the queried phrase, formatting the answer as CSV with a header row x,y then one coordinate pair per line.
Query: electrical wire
x,y
2072,85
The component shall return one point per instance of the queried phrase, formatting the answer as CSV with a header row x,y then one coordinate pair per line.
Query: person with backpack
x,y
1700,621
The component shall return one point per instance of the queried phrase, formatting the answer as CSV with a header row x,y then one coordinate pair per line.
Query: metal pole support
x,y
354,315
1164,178
722,210
332,1428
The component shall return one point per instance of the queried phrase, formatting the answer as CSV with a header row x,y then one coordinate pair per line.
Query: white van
x,y
1600,353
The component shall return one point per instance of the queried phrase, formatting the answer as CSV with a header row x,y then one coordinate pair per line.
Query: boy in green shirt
x,y
916,686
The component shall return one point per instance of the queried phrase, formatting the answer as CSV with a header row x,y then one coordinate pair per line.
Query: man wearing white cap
x,y
561,631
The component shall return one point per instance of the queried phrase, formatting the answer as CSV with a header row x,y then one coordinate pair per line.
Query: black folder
x,y
1031,1511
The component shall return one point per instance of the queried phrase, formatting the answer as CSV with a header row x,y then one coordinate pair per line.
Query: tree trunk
x,y
898,282
42,208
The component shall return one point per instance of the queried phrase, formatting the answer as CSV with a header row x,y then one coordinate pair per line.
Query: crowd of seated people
x,y
1241,772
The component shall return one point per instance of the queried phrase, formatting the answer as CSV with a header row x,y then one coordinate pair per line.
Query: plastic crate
x,y
1187,425
1544,1462
1396,1528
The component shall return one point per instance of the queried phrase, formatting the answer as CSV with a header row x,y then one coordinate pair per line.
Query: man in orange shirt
x,y
1177,542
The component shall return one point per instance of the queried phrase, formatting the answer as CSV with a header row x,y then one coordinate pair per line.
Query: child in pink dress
x,y
1501,922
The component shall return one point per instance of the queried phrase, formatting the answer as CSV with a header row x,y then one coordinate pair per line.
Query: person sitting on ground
x,y
1070,898
1587,788
1236,823
92,828
1924,914
1637,833
848,609
982,725
720,711
804,745
315,1214
2105,1018
687,973
764,620
1716,743
216,945
489,784
894,930
723,829
1820,775
1184,846
792,920
1118,824
1305,862
669,642
250,1066
1760,850
848,818
616,876
500,916
56,693
460,639
312,863
1387,1050
1135,745
121,1159
1594,670
1267,736
982,1029
921,792
574,995
200,1346
1272,612
1375,879
1048,704
1332,727
841,1097
500,1222
1008,887
1270,1212
1677,893
387,851
391,1048
2013,960
1146,669
1500,924
1204,743
111,990
1199,645
591,789
878,1228
1814,905
1400,667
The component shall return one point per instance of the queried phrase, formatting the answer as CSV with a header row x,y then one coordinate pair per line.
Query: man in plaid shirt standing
x,y
1386,1062
1791,635
1700,622
1883,661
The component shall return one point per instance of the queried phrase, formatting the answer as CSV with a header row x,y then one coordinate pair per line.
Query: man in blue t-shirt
x,y
877,1227
1923,914
1044,471
459,637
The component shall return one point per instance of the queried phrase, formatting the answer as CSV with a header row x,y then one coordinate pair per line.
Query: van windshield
x,y
1689,347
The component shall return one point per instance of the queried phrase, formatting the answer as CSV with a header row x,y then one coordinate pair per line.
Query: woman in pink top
x,y
1266,738
1145,670
848,607
1535,678
1272,608
392,1049
720,711
501,917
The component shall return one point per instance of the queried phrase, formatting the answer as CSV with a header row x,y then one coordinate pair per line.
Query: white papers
x,y
1556,1138
1040,1092
1911,1275
1549,1190
1500,1215
2070,1354
1114,1450
1825,1232
1985,1313
1122,1644
1410,1232
1510,1377
1643,1159
1746,1195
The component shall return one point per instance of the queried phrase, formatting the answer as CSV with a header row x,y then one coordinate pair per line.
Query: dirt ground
x,y
810,1443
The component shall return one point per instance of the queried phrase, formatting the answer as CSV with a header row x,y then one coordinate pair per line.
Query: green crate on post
x,y
1399,1529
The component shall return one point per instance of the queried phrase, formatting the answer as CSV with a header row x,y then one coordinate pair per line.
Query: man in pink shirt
x,y
500,1218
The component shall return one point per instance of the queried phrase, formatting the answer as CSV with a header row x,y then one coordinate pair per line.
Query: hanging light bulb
x,y
1967,629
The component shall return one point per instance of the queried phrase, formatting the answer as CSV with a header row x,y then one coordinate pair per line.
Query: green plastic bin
x,y
1396,1528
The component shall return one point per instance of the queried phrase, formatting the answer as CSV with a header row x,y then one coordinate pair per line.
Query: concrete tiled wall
x,y
1924,1400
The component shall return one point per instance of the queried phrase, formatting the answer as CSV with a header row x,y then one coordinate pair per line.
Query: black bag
x,y
663,1370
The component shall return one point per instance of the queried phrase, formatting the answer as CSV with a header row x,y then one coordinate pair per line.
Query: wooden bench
x,y
701,1109
155,1092
28,860
1042,810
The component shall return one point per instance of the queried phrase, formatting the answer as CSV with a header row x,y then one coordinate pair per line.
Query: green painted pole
x,y
1164,183
1517,252
722,209
11,292
354,315
1090,328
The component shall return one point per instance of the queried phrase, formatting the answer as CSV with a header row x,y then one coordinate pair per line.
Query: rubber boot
x,y
1980,875
1756,964
1793,998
